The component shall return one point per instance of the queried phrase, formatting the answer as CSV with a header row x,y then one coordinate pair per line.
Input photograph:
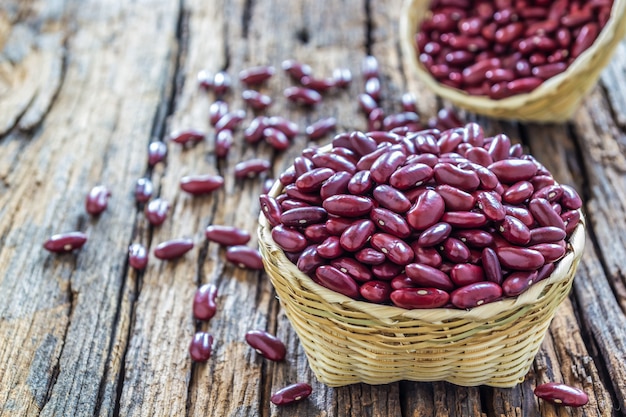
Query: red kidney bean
x,y
137,256
409,102
426,255
303,216
302,165
479,156
446,173
367,103
386,270
172,249
309,260
455,250
333,161
428,276
352,267
395,249
348,205
426,144
464,219
571,219
426,211
414,298
256,75
360,183
321,128
475,73
336,225
230,121
217,110
290,240
434,235
491,265
552,193
518,282
544,214
497,75
256,100
200,347
156,211
541,181
521,213
251,168
570,198
342,77
330,248
562,394
523,85
510,171
65,242
370,67
201,184
370,256
204,302
143,190
549,70
547,234
316,233
276,139
376,291
545,271
489,203
318,84
355,236
314,179
289,204
551,252
518,192
244,257
291,393
221,83
335,184
476,294
449,141
335,280
271,209
514,231
390,198
296,69
402,281
465,274
390,222
289,128
97,200
372,88
518,258
346,153
254,132
363,144
227,235
410,175
266,345
157,151
205,79
183,137
302,95
223,142
474,237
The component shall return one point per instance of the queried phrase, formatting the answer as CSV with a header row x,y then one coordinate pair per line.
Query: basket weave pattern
x,y
348,341
553,101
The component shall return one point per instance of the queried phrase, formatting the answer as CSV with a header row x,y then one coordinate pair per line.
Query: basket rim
x,y
409,20
562,272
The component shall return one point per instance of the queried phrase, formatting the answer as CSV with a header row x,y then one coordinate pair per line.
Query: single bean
x,y
336,225
518,192
138,256
545,271
309,260
361,183
290,240
475,294
449,140
428,276
302,95
426,211
376,291
65,242
303,216
352,267
523,85
571,219
333,161
389,197
519,258
256,100
254,132
521,213
489,203
289,128
414,298
244,257
221,83
230,121
475,238
316,233
156,211
446,173
97,200
335,280
330,248
426,143
544,214
143,190
518,282
184,137
321,128
348,205
386,270
200,347
227,235
291,393
172,249
370,256
201,184
223,142
311,198
552,193
396,250
466,273
464,219
266,345
204,302
256,75
434,235
390,222
296,69
313,180
367,103
157,151
551,252
251,168
335,184
491,265
318,84
402,281
514,231
276,138
562,394
479,156
455,250
510,171
271,209
570,198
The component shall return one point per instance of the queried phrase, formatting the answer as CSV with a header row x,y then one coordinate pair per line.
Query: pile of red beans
x,y
505,47
422,219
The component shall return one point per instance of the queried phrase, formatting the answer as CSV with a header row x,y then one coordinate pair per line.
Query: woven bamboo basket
x,y
553,101
348,341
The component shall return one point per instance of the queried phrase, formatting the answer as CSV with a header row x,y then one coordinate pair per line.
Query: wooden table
x,y
86,85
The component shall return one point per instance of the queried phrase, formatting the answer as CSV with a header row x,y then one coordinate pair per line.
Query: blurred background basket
x,y
553,101
348,341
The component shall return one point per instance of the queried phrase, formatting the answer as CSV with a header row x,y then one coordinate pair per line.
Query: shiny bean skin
x,y
97,200
570,198
335,184
510,171
464,219
385,165
552,193
547,234
386,270
450,174
157,151
490,205
521,213
426,211
303,216
330,248
396,250
476,294
561,394
333,161
390,222
412,175
519,258
251,168
402,281
287,127
184,137
335,280
353,267
143,190
244,257
291,393
369,256
428,276
172,249
156,211
514,231
414,298
376,291
230,121
518,192
271,209
227,235
321,128
309,260
266,344
474,238
314,179
302,95
290,240
256,75
551,252
455,251
434,235
455,198
296,69
390,198
256,100
585,38
466,273
427,255
204,304
544,214
491,265
293,192
347,205
276,139
355,236
518,282
65,242
571,219
200,348
254,132
361,183
137,256
201,184
223,142
336,225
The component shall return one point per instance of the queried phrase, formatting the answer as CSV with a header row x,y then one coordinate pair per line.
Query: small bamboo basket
x,y
553,101
348,341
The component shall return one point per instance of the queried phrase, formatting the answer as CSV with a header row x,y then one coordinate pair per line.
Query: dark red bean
x,y
65,242
205,79
395,249
500,147
364,145
157,151
464,219
376,291
551,252
314,179
230,121
410,175
393,121
335,184
347,205
372,88
316,233
402,281
570,198
254,132
476,294
475,73
549,70
302,95
309,260
289,128
221,83
369,67
571,219
547,234
302,165
342,77
336,225
321,128
200,347
201,184
386,270
335,280
390,198
361,183
544,214
585,38
276,139
523,85
552,193
510,171
256,75
251,168
390,222
414,298
428,276
518,282
466,273
352,267
183,137
426,143
518,258
370,256
561,394
227,235
334,161
271,209
455,251
172,249
367,103
475,238
256,100
266,345
491,265
137,256
143,190
521,213
303,216
318,84
290,240
217,110
456,199
514,231
518,192
244,257
434,235
291,393
97,200
446,173
296,69
156,211
489,203
223,142
355,236
204,302
426,211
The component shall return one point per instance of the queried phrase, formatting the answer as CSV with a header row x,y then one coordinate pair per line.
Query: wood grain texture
x,y
85,86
